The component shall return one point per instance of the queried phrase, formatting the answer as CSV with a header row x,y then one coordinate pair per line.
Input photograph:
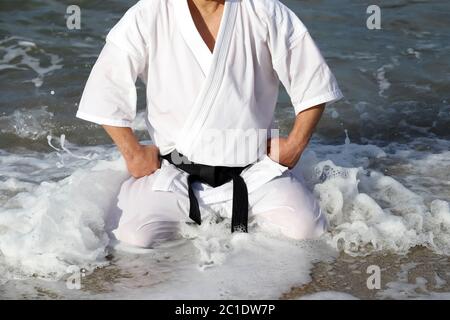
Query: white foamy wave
x,y
383,82
49,226
369,211
22,54
54,217
215,264
28,123
45,229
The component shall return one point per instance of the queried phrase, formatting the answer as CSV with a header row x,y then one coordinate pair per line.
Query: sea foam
x,y
49,224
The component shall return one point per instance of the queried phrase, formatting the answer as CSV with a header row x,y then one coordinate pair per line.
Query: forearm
x,y
125,140
304,126
141,160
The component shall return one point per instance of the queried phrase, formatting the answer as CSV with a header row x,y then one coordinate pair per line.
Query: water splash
x,y
63,149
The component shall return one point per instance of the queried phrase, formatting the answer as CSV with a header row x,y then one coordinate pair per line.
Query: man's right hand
x,y
144,161
141,160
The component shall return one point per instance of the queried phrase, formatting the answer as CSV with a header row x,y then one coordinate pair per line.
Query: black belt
x,y
214,176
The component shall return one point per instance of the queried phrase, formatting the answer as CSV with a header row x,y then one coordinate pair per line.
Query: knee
x,y
301,227
297,214
306,220
131,236
299,223
148,235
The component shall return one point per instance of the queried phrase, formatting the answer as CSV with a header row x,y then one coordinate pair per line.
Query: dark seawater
x,y
396,80
388,139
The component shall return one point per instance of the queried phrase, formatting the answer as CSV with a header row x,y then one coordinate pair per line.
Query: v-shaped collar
x,y
214,76
193,38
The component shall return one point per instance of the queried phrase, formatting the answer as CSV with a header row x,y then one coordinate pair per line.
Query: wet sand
x,y
349,275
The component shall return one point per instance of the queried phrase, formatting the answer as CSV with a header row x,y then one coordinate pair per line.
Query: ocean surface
x,y
379,164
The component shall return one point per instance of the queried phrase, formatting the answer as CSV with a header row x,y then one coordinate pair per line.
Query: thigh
x,y
286,205
138,201
148,216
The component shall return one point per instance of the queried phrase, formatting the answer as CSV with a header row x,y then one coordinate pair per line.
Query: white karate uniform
x,y
196,97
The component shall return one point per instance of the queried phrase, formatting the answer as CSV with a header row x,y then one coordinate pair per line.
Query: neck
x,y
207,7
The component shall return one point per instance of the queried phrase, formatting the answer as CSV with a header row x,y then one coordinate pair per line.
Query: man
x,y
212,70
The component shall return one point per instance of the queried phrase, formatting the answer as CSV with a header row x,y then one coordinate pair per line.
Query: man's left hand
x,y
284,151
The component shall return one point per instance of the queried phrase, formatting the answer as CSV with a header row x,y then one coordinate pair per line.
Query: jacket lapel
x,y
191,36
214,74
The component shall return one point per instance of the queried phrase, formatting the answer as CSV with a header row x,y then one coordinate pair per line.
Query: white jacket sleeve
x,y
298,62
110,96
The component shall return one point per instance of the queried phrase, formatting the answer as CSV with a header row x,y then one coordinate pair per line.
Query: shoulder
x,y
138,19
145,9
271,11
134,30
279,21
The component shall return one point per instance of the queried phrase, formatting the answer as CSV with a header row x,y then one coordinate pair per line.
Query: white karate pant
x,y
283,205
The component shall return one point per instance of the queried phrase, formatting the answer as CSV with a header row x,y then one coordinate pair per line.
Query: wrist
x,y
133,153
